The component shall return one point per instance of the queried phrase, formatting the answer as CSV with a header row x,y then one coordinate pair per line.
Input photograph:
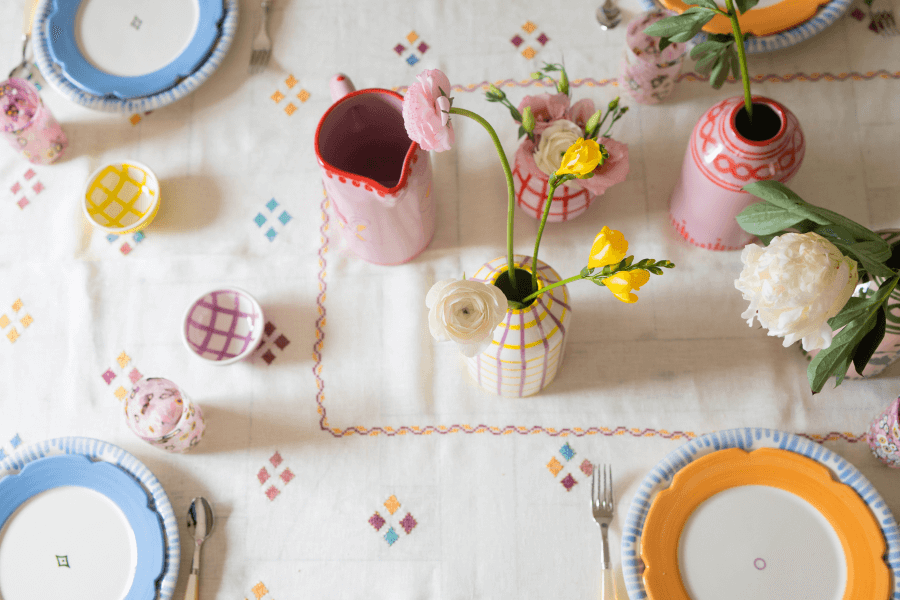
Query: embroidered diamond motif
x,y
4,321
543,39
399,48
26,321
272,492
123,360
277,96
272,204
284,217
303,96
290,108
376,521
263,475
15,188
259,590
412,37
412,59
17,305
125,249
586,467
282,342
423,47
392,504
529,27
567,451
12,336
120,393
269,328
408,523
271,233
528,52
568,482
23,202
134,376
268,357
291,81
108,376
287,475
517,40
259,219
554,466
391,536
276,460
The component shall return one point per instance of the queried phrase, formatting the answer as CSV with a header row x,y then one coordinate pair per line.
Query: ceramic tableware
x,y
27,123
161,414
223,326
54,76
377,180
84,519
121,197
131,48
784,516
884,435
646,74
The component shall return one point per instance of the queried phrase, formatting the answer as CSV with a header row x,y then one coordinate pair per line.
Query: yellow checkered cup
x,y
121,197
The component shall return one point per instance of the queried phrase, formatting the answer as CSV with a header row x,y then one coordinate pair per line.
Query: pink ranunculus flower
x,y
611,172
546,108
581,111
425,111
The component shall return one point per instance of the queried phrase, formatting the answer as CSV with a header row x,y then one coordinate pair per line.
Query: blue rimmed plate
x,y
77,511
54,76
826,15
749,439
129,48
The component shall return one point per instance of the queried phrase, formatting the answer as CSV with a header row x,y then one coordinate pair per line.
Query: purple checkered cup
x,y
28,125
223,326
161,414
884,435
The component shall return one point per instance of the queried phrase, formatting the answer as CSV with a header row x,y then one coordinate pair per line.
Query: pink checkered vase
x,y
531,185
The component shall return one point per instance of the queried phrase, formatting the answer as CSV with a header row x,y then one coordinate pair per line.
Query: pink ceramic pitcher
x,y
377,180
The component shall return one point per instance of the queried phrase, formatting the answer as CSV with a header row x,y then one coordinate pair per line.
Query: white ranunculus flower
x,y
466,312
795,285
554,142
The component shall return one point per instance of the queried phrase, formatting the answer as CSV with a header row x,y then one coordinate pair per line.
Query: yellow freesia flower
x,y
622,283
609,248
581,158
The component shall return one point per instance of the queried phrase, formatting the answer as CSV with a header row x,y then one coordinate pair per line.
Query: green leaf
x,y
628,260
521,131
670,26
664,43
763,218
780,195
853,310
828,362
858,231
655,270
699,19
705,64
879,251
586,272
708,4
835,233
745,5
866,259
706,47
719,72
870,342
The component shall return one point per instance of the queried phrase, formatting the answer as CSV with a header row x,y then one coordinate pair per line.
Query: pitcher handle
x,y
340,85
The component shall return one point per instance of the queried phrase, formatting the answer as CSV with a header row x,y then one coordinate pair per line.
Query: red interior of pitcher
x,y
362,137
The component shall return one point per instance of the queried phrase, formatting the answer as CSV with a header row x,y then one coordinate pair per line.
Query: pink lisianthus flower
x,y
426,111
546,109
581,111
611,172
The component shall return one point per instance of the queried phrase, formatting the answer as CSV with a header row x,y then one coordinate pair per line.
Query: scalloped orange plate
x,y
766,18
764,524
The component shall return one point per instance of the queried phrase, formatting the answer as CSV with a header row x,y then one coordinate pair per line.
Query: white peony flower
x,y
466,312
795,285
554,142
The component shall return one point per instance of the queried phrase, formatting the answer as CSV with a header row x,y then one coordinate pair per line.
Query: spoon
x,y
22,68
608,15
200,522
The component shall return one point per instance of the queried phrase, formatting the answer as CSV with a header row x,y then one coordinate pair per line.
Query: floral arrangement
x,y
467,312
553,123
803,284
720,53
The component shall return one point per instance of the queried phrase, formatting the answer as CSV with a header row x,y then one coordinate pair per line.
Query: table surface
x,y
350,395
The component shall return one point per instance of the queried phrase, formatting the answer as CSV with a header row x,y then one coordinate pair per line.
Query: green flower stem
x,y
511,205
554,183
553,285
742,57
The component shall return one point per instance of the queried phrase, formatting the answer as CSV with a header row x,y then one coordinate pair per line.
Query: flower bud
x,y
591,126
495,92
623,111
537,75
614,103
528,120
563,84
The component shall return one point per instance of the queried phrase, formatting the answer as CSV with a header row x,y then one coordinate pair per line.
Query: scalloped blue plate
x,y
129,49
75,483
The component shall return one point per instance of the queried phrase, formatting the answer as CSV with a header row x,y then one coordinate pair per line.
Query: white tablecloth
x,y
361,405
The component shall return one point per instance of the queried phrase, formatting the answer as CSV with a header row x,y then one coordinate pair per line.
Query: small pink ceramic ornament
x,y
161,414
646,74
28,125
377,180
884,435
720,160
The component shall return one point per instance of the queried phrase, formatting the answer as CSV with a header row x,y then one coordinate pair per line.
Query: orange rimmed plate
x,y
766,18
769,523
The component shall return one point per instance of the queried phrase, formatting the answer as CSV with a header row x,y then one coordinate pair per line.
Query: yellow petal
x,y
581,158
609,248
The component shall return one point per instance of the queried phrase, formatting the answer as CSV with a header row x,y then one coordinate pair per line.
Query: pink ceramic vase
x,y
720,160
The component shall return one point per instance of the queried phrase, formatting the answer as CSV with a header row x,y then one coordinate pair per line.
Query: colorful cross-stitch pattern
x,y
260,591
290,108
272,223
272,483
407,523
570,479
29,189
18,319
529,51
130,241
271,342
415,50
125,384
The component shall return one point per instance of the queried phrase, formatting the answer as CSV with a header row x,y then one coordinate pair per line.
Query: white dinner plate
x,y
83,512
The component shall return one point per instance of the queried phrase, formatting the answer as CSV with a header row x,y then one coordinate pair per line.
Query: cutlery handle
x,y
193,588
607,589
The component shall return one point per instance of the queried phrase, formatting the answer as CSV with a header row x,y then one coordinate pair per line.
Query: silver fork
x,y
261,49
602,507
883,20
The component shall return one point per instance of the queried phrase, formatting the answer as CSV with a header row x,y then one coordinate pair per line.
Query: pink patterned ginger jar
x,y
721,158
528,345
884,435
